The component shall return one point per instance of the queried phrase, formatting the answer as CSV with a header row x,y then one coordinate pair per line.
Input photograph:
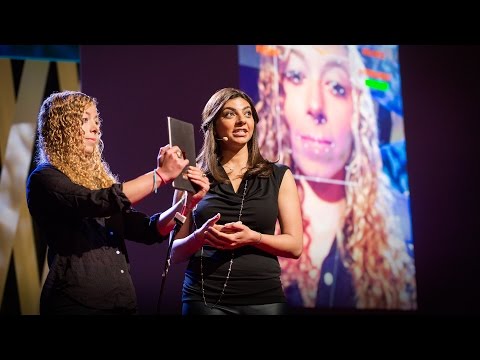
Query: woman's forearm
x,y
184,248
137,189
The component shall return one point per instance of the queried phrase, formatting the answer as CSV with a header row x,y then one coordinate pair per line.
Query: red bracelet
x,y
155,173
160,176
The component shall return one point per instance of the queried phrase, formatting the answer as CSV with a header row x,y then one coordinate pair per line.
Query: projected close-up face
x,y
318,108
333,114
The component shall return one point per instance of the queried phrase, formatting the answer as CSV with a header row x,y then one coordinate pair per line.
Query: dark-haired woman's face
x,y
91,128
235,122
318,109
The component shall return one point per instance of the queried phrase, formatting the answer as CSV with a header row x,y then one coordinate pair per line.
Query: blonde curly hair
x,y
60,140
371,245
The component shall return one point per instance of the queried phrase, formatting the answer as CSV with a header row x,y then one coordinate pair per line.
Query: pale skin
x,y
169,166
237,124
318,108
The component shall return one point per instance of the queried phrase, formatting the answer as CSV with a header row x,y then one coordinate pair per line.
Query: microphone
x,y
222,139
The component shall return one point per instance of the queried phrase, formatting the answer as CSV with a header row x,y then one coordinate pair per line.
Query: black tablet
x,y
180,133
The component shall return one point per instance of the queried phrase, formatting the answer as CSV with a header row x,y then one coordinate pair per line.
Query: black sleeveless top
x,y
255,274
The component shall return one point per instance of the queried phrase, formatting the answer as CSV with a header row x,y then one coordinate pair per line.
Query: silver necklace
x,y
229,170
231,260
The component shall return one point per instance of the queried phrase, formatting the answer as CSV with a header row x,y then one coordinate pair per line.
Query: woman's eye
x,y
336,88
295,77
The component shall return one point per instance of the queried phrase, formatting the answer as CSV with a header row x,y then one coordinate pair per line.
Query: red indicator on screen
x,y
267,50
373,53
378,74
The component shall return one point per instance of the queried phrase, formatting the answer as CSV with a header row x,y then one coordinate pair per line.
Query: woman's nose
x,y
94,128
318,117
241,119
316,108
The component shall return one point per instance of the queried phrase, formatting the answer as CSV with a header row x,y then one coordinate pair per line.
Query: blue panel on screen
x,y
44,52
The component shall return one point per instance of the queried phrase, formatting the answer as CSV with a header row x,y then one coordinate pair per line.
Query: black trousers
x,y
63,305
199,308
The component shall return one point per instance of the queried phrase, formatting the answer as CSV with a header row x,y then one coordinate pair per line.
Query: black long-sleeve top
x,y
85,231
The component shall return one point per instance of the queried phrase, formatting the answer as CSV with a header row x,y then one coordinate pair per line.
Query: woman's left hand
x,y
231,236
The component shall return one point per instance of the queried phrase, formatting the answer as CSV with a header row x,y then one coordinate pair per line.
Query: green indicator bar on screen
x,y
377,84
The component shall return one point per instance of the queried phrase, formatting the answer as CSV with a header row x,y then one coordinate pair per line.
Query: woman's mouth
x,y
314,145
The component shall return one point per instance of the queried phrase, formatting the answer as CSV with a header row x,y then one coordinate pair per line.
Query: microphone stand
x,y
179,220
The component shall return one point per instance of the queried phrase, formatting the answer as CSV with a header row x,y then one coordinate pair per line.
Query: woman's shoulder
x,y
279,171
46,169
45,172
280,168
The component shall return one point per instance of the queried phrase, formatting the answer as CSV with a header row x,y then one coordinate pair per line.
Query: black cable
x,y
179,220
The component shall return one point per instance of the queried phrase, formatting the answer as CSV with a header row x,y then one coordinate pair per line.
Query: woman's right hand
x,y
184,248
200,233
202,184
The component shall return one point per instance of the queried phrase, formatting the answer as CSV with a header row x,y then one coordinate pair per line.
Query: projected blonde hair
x,y
60,140
370,243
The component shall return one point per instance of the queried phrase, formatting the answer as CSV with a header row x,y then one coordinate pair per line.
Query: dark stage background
x,y
139,86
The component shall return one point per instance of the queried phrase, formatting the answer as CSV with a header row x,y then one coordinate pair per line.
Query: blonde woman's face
x,y
91,128
318,109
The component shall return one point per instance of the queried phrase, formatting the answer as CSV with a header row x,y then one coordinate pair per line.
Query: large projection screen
x,y
334,115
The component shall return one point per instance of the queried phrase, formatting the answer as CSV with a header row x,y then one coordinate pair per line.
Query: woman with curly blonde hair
x,y
318,118
84,214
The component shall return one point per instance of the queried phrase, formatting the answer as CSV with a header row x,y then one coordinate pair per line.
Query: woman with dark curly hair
x,y
84,213
318,117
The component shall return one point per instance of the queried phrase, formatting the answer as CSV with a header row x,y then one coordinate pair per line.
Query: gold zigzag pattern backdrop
x,y
23,86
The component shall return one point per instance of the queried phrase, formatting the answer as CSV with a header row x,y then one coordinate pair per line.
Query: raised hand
x,y
202,184
170,162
